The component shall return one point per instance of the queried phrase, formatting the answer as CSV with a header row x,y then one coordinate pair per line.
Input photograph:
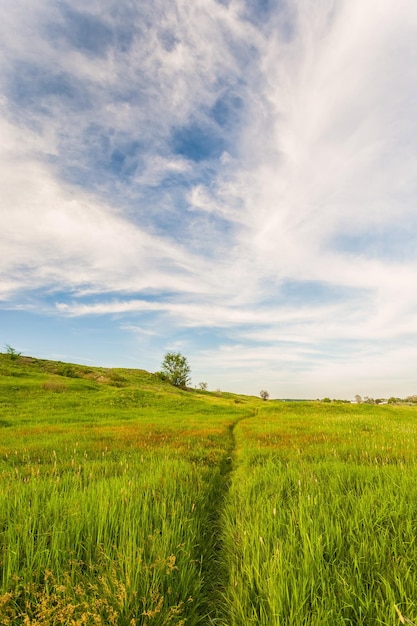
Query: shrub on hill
x,y
176,369
12,353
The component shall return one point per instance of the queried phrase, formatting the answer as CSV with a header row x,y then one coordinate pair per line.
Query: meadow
x,y
127,501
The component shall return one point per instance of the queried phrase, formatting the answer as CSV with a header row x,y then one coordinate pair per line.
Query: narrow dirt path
x,y
214,571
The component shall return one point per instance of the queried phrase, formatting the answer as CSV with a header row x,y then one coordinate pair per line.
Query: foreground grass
x,y
104,549
125,501
321,520
109,480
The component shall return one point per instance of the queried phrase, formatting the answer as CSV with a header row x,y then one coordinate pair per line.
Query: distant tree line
x,y
392,400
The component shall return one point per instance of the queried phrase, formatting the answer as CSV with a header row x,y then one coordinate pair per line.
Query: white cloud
x,y
324,147
337,160
56,237
158,168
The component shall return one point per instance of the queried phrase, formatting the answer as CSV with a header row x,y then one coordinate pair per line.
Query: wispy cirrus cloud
x,y
242,172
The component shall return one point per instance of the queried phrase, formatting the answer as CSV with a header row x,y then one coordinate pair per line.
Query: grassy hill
x,y
127,501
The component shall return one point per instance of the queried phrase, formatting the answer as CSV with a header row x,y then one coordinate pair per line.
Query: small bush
x,y
12,353
68,371
161,376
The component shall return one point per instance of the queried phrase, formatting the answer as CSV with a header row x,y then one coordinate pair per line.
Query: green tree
x,y
176,369
12,353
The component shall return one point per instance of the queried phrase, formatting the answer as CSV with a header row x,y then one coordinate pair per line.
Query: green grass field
x,y
126,501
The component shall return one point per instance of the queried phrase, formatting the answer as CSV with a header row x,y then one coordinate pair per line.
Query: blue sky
x,y
231,179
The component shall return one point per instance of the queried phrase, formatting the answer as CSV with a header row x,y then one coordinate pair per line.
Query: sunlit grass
x,y
105,495
125,536
126,501
321,519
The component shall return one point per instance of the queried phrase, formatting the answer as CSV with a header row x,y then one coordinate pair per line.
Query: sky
x,y
235,180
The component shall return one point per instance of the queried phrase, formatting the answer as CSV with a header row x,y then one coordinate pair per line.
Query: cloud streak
x,y
243,175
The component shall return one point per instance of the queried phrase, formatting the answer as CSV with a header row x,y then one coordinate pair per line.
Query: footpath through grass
x,y
111,487
125,501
